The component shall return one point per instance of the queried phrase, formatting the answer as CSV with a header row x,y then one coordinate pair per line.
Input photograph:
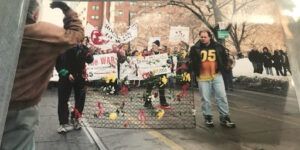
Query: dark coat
x,y
255,56
195,57
74,60
267,59
277,60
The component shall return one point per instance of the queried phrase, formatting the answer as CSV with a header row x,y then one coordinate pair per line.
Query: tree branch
x,y
243,5
224,4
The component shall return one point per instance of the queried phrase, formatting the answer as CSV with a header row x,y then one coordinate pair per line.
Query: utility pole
x,y
129,23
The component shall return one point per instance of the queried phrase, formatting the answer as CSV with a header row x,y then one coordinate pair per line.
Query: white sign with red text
x,y
102,66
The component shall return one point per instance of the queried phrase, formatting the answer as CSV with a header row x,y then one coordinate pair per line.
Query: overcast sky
x,y
54,16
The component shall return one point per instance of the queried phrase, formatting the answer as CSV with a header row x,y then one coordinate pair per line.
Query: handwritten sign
x,y
136,67
179,34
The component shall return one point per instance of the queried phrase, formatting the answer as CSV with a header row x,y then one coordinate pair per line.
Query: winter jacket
x,y
285,60
277,60
267,59
195,57
73,60
42,44
255,56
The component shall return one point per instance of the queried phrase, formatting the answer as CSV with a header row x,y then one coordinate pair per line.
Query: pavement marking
x,y
87,133
166,140
90,132
265,116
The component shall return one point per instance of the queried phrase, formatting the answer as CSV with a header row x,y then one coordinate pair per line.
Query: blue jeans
x,y
216,87
19,129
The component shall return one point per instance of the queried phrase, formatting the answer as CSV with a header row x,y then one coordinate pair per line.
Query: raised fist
x,y
63,6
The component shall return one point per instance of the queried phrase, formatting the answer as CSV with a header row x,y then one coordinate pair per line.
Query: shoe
x,y
61,130
165,105
64,128
208,121
226,122
148,103
77,125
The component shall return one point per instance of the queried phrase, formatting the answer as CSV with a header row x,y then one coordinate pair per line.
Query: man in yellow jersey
x,y
208,59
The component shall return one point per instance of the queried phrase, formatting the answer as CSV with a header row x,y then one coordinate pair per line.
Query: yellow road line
x,y
166,140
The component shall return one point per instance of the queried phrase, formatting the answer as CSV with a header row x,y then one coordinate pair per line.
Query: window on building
x,y
120,12
119,3
95,7
132,3
95,17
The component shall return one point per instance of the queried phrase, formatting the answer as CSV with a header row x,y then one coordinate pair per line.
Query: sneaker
x,y
148,104
208,121
165,105
226,122
64,128
77,124
61,130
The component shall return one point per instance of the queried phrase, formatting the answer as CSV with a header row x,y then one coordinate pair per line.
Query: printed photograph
x,y
156,74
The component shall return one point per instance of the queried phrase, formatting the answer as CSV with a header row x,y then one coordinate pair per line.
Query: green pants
x,y
19,129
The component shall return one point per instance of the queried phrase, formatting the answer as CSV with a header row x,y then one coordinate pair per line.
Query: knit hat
x,y
156,42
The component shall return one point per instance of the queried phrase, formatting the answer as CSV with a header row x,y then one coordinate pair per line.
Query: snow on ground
x,y
243,67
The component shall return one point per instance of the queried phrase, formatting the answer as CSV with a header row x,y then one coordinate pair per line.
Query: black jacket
x,y
195,57
267,59
74,60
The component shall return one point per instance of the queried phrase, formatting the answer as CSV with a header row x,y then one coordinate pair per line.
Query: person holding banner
x,y
71,69
161,87
42,43
208,62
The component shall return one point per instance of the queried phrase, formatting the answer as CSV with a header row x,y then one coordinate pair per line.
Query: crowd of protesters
x,y
266,61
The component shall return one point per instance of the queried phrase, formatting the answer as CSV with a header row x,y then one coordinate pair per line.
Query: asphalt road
x,y
264,122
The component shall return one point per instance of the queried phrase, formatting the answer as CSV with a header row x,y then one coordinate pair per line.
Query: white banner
x,y
102,66
136,67
109,33
178,34
131,34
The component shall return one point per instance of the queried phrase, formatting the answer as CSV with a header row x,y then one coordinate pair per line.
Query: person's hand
x,y
61,5
71,78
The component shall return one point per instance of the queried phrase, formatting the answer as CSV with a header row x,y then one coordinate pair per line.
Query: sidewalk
x,y
46,136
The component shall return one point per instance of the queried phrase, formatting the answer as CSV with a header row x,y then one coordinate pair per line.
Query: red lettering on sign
x,y
95,37
112,59
103,60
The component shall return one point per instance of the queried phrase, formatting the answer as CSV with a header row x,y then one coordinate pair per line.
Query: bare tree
x,y
211,12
